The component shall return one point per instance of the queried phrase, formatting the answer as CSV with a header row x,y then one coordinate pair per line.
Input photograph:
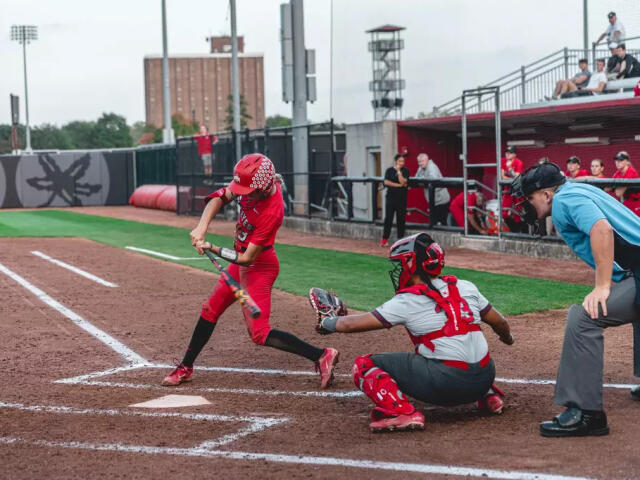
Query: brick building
x,y
201,84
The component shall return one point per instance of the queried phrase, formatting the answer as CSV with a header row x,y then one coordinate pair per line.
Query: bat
x,y
241,295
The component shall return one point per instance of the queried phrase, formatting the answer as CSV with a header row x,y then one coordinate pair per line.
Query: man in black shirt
x,y
396,179
629,65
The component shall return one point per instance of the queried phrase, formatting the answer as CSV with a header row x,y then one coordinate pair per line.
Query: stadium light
x,y
586,126
526,143
24,34
522,131
579,140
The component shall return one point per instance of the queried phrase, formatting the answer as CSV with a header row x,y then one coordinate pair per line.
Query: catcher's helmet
x,y
253,172
419,254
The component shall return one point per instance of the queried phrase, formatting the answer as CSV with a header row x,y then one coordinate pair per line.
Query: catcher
x,y
442,315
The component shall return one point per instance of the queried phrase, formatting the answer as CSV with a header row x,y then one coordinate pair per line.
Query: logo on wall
x,y
63,180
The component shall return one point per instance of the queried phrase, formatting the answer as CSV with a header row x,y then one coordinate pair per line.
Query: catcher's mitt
x,y
326,304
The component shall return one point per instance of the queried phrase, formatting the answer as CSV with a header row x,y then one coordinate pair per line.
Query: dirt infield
x,y
262,422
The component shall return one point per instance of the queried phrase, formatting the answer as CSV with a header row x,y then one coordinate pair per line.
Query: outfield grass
x,y
362,280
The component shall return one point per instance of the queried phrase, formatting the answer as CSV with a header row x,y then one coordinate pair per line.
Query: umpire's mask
x,y
545,175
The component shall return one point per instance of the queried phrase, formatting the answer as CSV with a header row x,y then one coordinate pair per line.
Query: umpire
x,y
396,179
606,235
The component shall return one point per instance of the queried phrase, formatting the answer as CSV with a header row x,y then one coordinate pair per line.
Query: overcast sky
x,y
89,57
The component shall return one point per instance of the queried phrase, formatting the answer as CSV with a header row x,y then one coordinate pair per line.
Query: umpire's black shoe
x,y
635,393
574,422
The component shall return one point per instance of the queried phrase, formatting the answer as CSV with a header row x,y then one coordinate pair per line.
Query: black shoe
x,y
574,422
635,393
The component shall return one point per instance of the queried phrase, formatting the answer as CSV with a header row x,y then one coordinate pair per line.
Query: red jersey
x,y
516,167
259,220
581,173
204,143
457,207
630,173
631,197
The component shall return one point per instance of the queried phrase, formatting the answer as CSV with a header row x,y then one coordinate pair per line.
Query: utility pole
x,y
167,132
25,34
585,29
235,81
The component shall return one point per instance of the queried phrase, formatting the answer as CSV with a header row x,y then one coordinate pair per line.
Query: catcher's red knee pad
x,y
378,385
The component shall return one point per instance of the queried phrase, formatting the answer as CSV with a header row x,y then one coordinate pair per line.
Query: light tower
x,y
387,86
25,34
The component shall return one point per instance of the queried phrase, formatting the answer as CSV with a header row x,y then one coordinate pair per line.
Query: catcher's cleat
x,y
413,421
180,374
492,401
325,365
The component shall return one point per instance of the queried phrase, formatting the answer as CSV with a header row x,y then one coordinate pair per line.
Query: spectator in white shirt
x,y
615,30
427,168
598,80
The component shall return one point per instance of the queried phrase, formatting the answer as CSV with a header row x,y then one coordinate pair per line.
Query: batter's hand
x,y
597,297
197,235
202,246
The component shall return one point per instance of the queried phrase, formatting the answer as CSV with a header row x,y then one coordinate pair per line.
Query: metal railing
x,y
530,83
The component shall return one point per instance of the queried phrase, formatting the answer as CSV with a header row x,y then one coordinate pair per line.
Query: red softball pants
x,y
257,279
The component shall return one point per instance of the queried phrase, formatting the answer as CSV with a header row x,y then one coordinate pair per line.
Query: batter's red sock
x,y
201,335
290,343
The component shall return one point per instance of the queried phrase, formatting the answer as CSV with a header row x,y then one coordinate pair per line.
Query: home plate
x,y
172,401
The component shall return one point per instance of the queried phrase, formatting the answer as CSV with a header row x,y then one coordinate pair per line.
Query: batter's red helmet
x,y
419,254
253,172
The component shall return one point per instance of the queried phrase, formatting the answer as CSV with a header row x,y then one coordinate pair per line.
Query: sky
x,y
89,55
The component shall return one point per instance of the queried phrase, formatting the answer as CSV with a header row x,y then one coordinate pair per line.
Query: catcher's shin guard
x,y
383,390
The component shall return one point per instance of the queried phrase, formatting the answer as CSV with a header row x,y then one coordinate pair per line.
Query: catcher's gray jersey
x,y
418,315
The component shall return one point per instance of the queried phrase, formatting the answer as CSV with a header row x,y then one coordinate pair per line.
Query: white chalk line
x,y
299,460
256,424
77,270
117,346
163,255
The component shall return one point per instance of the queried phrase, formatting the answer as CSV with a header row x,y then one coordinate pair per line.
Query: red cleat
x,y
413,421
492,401
383,242
181,374
325,365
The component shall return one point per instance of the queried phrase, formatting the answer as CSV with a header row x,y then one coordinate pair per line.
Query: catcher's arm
x,y
357,323
499,324
332,315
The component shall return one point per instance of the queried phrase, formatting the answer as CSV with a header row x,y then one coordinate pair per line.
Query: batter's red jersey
x,y
259,220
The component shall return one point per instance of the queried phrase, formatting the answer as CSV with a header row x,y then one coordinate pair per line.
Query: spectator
x,y
205,141
396,179
597,168
629,65
510,168
573,168
596,84
477,200
630,197
615,30
428,169
579,80
613,64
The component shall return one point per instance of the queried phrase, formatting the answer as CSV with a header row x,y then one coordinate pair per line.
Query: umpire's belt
x,y
464,365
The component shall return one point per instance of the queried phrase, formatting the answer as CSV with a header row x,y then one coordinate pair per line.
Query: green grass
x,y
362,280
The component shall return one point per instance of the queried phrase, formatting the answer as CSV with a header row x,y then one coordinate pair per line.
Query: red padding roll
x,y
146,196
167,200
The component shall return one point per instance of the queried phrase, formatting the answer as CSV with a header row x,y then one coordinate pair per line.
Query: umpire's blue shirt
x,y
577,206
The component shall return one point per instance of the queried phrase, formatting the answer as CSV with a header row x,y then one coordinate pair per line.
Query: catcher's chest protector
x,y
456,308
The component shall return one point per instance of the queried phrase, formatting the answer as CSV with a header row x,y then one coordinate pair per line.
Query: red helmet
x,y
419,254
253,172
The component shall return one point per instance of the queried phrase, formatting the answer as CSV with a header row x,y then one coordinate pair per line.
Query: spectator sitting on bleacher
x,y
573,168
615,30
629,65
474,217
613,63
579,80
630,197
596,84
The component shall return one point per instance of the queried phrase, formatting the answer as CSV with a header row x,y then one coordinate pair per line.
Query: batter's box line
x,y
256,424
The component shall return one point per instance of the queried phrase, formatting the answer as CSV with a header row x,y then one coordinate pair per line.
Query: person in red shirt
x,y
510,168
630,197
573,168
204,141
456,208
253,264
597,168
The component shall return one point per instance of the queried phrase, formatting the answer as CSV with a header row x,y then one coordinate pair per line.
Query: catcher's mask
x,y
534,178
419,254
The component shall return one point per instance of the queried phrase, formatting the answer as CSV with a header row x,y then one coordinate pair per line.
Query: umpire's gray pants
x,y
579,382
432,381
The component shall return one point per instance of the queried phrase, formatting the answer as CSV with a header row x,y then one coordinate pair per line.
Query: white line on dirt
x,y
115,345
162,255
104,373
77,270
301,460
256,424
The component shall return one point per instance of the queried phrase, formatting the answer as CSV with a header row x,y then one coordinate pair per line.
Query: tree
x,y
112,131
275,121
81,133
49,136
244,116
137,131
183,127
